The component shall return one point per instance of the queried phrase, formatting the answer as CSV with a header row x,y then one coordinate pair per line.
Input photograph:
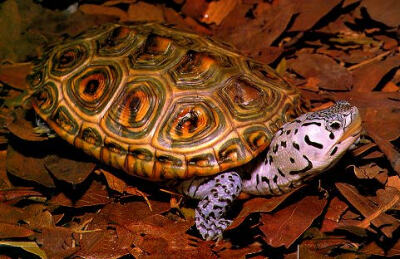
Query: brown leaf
x,y
142,11
218,10
387,12
4,181
335,210
261,31
258,204
18,193
95,195
23,128
375,71
331,75
27,166
368,171
10,214
57,242
195,9
374,213
310,12
38,216
93,9
14,75
286,225
13,231
73,169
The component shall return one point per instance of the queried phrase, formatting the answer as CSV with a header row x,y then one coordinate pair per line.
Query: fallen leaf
x,y
217,10
331,75
286,225
57,242
15,75
27,166
14,231
142,11
93,9
95,195
310,12
367,77
258,204
74,168
386,223
29,246
335,210
387,12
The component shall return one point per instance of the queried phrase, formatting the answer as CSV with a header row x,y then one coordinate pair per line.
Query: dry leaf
x,y
286,225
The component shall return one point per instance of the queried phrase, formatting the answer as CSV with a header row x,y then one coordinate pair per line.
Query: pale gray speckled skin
x,y
300,150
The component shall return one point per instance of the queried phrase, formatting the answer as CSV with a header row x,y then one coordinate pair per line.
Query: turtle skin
x,y
160,103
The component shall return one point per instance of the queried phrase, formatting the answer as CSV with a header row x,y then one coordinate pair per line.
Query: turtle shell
x,y
160,103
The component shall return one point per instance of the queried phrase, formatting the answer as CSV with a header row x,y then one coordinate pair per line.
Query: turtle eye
x,y
335,125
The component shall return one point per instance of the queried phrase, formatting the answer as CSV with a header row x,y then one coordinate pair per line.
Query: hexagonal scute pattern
x,y
200,70
190,122
248,100
137,108
91,88
154,53
160,103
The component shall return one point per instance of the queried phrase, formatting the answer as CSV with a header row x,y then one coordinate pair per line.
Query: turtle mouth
x,y
353,131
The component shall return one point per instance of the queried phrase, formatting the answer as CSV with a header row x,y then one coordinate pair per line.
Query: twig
x,y
368,61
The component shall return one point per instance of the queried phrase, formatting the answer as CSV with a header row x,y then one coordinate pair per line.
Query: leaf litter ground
x,y
57,203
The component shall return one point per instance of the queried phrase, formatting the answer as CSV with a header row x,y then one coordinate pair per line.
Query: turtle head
x,y
325,135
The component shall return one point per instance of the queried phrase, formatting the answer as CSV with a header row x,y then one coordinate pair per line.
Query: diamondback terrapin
x,y
160,104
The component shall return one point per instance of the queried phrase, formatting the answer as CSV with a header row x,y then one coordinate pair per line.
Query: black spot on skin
x,y
283,143
258,179
295,131
331,135
280,172
311,123
334,151
280,132
275,179
270,159
288,132
296,146
305,169
275,148
311,143
291,160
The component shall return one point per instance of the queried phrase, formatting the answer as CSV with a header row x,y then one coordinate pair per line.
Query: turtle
x,y
172,106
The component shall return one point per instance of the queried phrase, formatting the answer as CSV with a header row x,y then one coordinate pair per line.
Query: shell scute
x,y
160,103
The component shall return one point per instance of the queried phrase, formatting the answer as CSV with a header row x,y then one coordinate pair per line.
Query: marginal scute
x,y
140,162
114,153
204,163
45,98
89,139
65,121
257,137
169,165
232,151
92,87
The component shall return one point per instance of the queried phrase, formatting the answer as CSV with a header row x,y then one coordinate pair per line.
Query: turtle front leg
x,y
216,194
